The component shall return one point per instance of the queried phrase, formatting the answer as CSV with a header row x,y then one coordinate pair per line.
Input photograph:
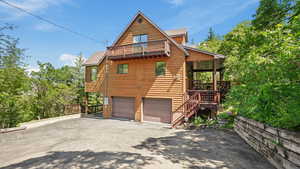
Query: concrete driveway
x,y
98,143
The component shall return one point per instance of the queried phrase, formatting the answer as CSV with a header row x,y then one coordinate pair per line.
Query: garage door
x,y
123,107
157,110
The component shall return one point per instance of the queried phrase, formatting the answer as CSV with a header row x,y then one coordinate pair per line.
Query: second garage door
x,y
123,107
157,110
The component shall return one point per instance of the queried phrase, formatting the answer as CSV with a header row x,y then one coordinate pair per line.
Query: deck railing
x,y
135,50
207,96
199,85
222,86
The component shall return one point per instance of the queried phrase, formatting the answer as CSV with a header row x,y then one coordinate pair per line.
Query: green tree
x,y
212,42
53,89
13,79
43,94
211,35
79,78
10,54
265,64
273,12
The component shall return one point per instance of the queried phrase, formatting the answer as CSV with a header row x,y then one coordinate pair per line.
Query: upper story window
x,y
140,38
140,45
122,69
94,72
160,68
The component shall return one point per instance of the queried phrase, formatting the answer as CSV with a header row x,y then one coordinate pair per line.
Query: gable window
x,y
94,71
122,69
140,44
140,38
160,68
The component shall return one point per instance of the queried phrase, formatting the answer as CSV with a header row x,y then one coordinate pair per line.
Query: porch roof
x,y
215,55
95,59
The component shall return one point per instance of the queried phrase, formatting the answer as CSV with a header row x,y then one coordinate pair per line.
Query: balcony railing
x,y
207,96
199,85
156,48
222,86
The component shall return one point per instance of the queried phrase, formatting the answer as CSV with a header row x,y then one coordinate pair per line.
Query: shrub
x,y
197,121
229,117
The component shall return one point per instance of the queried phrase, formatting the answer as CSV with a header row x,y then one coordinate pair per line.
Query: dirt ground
x,y
100,143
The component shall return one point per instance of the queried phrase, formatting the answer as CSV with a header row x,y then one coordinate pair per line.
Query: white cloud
x,y
68,59
45,27
176,2
29,5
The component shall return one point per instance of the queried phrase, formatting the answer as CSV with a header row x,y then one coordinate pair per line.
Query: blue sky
x,y
104,20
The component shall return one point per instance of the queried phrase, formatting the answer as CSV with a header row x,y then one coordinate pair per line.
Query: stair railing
x,y
188,108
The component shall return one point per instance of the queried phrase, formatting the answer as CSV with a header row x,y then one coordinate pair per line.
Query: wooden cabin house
x,y
149,74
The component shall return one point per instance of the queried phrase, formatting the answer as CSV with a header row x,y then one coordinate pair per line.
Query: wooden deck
x,y
157,48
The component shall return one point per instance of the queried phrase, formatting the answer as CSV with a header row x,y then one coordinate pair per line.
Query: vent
x,y
140,20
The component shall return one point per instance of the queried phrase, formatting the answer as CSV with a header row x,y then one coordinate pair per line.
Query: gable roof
x,y
176,32
95,59
215,55
153,24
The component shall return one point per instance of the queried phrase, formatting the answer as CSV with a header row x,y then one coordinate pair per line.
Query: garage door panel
x,y
123,107
157,110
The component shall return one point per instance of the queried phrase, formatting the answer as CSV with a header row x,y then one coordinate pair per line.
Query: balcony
x,y
150,49
222,87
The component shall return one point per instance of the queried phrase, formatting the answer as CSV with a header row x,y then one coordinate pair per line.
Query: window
x,y
160,68
122,69
140,38
94,72
140,46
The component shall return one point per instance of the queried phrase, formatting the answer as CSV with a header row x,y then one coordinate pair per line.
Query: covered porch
x,y
206,77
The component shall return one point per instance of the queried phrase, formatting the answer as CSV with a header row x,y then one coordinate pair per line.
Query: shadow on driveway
x,y
85,159
206,149
119,144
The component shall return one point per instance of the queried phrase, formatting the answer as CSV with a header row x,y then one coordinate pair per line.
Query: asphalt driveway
x,y
99,143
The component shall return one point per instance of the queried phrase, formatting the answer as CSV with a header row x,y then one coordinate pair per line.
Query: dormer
x,y
179,35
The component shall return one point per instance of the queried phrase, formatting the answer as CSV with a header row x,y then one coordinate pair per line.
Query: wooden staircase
x,y
196,99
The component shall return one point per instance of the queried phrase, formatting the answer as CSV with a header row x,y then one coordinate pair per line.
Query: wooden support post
x,y
214,75
221,75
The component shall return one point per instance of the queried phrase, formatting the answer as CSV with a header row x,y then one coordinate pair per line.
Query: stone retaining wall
x,y
280,147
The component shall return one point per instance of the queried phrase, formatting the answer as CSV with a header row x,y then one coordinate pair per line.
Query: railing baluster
x,y
142,48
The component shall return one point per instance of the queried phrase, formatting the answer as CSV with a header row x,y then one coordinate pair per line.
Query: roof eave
x,y
215,55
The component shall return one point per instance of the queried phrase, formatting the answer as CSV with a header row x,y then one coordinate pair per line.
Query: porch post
x,y
221,75
214,75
